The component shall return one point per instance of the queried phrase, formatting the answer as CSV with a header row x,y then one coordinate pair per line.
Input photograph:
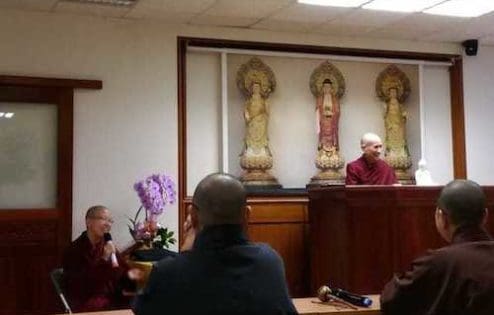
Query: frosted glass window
x,y
28,155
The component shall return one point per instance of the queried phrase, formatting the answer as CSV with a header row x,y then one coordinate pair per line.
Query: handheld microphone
x,y
324,293
113,257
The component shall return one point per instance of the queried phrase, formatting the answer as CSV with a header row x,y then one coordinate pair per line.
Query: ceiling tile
x,y
426,22
284,15
395,33
417,26
449,29
165,16
341,29
308,13
90,9
246,8
185,6
285,26
172,11
28,5
204,19
368,18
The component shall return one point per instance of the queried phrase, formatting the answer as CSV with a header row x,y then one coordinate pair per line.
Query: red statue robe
x,y
360,172
328,125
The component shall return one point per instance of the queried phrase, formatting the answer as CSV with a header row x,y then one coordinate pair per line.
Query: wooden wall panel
x,y
7,280
27,257
284,226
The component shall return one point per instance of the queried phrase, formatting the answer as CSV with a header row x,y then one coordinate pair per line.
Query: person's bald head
x,y
369,138
463,201
371,144
220,199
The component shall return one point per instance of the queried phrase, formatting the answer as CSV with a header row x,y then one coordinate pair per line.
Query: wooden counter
x,y
361,235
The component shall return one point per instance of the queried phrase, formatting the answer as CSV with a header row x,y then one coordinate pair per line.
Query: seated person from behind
x,y
456,279
369,169
223,273
92,283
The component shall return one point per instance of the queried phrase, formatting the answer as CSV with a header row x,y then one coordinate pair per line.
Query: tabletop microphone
x,y
325,292
113,257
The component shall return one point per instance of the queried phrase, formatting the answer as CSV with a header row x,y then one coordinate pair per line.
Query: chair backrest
x,y
56,276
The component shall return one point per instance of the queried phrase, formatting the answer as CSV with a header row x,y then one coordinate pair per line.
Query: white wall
x,y
203,118
438,145
478,82
128,130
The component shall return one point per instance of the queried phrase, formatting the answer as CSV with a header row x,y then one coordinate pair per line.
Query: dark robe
x,y
91,283
457,279
360,172
224,273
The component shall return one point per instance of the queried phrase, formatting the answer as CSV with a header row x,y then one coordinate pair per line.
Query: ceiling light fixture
x,y
9,115
462,8
400,5
2,114
335,3
118,3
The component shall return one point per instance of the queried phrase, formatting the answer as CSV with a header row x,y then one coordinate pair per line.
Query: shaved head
x,y
220,199
94,211
463,201
369,138
371,145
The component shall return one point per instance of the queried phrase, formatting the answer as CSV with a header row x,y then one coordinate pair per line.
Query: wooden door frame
x,y
59,92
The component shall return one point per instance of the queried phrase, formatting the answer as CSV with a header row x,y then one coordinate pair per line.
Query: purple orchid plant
x,y
155,193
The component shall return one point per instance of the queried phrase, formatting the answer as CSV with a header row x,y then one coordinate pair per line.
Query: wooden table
x,y
312,306
118,312
305,306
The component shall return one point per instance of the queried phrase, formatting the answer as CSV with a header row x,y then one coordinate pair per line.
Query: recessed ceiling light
x,y
400,5
119,3
462,8
9,115
335,3
1,114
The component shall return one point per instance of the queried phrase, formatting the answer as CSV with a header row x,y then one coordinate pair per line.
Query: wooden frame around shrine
x,y
456,92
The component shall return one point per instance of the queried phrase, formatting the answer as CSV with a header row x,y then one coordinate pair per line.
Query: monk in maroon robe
x,y
92,282
457,279
369,169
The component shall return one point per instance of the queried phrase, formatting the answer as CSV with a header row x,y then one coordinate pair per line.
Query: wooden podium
x,y
361,235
